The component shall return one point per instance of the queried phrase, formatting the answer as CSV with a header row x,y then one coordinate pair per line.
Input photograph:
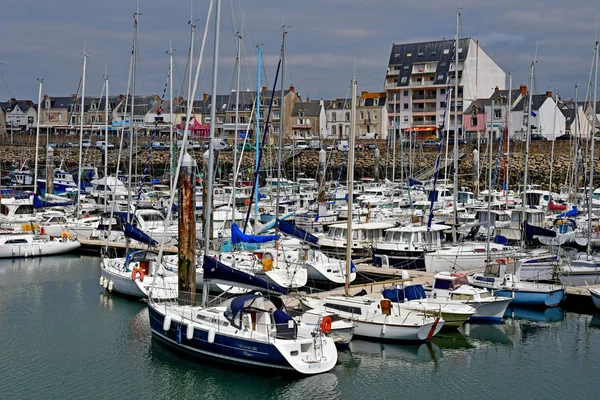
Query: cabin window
x,y
463,297
24,209
16,241
344,308
406,237
443,284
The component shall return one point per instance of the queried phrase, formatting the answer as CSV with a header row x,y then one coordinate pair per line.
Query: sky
x,y
328,42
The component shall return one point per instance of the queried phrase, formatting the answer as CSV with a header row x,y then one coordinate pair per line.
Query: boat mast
x,y
192,24
106,129
81,133
592,144
208,179
350,187
37,140
172,148
507,141
235,134
574,173
489,202
527,142
257,133
132,122
282,108
455,194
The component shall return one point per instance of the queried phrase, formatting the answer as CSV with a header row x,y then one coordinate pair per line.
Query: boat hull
x,y
533,298
489,311
37,249
595,297
383,331
404,259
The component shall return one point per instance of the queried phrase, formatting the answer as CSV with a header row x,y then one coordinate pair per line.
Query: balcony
x,y
304,125
390,84
424,111
426,122
393,72
420,69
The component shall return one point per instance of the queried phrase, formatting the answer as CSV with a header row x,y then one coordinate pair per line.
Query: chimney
x,y
180,99
523,90
307,99
74,97
291,88
496,89
28,102
549,93
263,89
205,97
121,97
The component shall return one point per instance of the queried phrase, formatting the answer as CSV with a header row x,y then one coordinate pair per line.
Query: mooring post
x,y
187,232
50,170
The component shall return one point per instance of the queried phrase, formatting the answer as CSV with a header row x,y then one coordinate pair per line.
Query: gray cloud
x,y
326,37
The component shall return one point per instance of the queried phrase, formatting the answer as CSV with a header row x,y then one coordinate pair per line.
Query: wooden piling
x,y
187,231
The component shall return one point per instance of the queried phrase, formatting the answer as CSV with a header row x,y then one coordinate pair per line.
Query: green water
x,y
61,337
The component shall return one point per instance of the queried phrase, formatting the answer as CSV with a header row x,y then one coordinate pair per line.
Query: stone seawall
x,y
306,162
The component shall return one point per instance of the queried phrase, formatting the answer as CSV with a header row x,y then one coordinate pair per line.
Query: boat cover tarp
x,y
413,182
553,206
39,203
292,230
532,230
571,213
499,239
237,236
213,269
134,233
12,193
411,292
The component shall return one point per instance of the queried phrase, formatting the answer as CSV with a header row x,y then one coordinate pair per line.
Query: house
x,y
19,114
372,115
546,117
420,75
337,117
2,122
308,120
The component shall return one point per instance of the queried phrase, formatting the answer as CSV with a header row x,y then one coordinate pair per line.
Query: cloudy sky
x,y
326,39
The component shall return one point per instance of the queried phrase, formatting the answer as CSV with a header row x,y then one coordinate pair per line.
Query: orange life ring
x,y
247,202
137,271
326,324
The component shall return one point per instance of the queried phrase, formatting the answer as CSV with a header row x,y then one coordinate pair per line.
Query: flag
x,y
533,114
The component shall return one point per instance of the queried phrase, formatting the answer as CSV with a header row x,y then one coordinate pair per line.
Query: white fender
x,y
101,280
211,335
105,284
189,334
110,286
405,274
167,323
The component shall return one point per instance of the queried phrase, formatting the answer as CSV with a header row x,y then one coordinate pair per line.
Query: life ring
x,y
597,229
326,324
504,260
137,271
247,202
65,235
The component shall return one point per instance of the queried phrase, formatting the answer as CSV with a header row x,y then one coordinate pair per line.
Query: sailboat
x,y
251,329
375,317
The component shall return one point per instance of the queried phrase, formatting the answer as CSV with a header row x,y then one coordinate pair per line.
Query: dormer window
x,y
47,103
301,113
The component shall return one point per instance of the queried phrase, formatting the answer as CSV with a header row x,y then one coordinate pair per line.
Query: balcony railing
x,y
424,96
394,72
424,123
424,110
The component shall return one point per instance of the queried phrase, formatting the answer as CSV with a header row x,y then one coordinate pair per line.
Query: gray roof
x,y
9,105
310,108
536,102
369,102
403,56
480,104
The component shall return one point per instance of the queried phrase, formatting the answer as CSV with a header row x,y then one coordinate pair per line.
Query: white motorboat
x,y
342,330
595,293
456,287
364,237
582,271
464,256
377,318
32,245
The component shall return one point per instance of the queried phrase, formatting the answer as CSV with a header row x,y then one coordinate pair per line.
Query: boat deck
x,y
93,246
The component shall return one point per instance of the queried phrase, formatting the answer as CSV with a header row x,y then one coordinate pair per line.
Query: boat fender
x,y
65,236
326,324
167,323
405,274
189,333
105,284
110,286
42,231
211,335
101,280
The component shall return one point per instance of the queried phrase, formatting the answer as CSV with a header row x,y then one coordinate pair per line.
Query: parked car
x,y
86,143
288,146
430,143
371,146
145,145
301,145
329,147
537,137
159,146
101,144
246,147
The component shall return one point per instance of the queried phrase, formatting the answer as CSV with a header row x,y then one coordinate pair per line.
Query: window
x,y
398,67
276,115
408,54
242,120
220,120
442,104
334,117
275,101
300,114
344,308
473,121
368,114
497,114
460,50
405,118
406,92
433,52
362,115
443,64
440,77
375,102
405,106
406,67
420,54
232,120
442,91
446,51
375,116
347,117
275,128
404,79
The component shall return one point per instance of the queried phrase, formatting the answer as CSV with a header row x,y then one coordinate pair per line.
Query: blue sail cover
x,y
570,213
532,230
16,194
237,236
292,230
39,203
134,233
213,269
413,182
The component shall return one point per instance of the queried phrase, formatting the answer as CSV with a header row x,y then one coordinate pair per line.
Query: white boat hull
x,y
38,248
386,331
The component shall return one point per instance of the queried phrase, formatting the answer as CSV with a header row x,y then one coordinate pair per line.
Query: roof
x,y
9,105
364,225
310,108
504,93
403,56
536,102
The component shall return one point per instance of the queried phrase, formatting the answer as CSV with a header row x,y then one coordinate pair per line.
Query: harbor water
x,y
62,337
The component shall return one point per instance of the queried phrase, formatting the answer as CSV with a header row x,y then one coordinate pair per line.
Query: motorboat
x,y
33,245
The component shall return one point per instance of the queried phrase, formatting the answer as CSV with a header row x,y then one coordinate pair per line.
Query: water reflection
x,y
535,314
362,350
595,321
